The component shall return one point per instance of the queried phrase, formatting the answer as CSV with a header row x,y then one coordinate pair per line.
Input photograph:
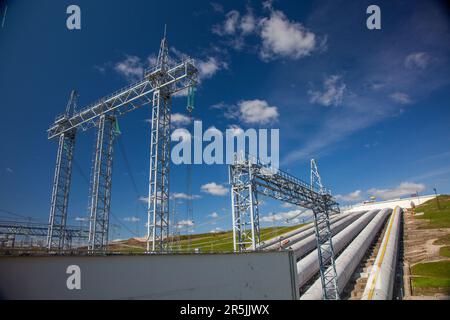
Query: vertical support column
x,y
244,207
60,192
100,201
325,251
158,194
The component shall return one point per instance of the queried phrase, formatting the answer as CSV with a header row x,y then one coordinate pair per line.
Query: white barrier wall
x,y
260,275
404,203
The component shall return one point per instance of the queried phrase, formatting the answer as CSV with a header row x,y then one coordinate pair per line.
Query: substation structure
x,y
10,230
156,88
250,178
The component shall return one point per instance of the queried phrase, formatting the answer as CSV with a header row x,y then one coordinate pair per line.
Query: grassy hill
x,y
437,218
434,277
205,242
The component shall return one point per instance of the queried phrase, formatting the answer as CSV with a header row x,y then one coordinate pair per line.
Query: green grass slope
x,y
205,242
436,218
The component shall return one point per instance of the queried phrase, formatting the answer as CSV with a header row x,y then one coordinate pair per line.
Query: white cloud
x,y
180,195
131,68
81,219
257,111
214,215
352,196
216,230
400,97
417,60
332,94
229,26
209,67
231,22
281,37
131,219
179,119
185,223
214,189
143,199
405,188
287,217
219,106
248,23
9,170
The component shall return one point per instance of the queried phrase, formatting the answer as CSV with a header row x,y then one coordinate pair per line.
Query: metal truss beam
x,y
60,192
129,98
100,201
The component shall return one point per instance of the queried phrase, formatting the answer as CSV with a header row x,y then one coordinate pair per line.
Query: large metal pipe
x,y
309,265
350,258
296,235
380,284
308,244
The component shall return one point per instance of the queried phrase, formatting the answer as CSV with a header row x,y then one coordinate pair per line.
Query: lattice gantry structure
x,y
156,87
249,178
9,230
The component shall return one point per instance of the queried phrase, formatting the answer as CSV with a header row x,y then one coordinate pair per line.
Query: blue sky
x,y
371,105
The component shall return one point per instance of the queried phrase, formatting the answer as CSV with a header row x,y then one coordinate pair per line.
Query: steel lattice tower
x,y
100,202
156,88
244,205
61,181
328,274
158,195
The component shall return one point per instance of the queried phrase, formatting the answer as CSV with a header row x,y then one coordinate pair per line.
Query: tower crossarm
x,y
133,96
285,187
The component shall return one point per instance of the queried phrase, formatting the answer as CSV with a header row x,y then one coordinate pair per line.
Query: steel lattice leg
x,y
328,274
244,206
158,199
100,201
60,193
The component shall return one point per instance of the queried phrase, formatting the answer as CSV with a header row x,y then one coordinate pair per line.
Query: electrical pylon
x,y
158,199
61,181
101,184
158,84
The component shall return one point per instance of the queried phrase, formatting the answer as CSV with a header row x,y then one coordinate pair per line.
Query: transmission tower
x,y
101,184
158,204
156,88
61,181
189,200
244,203
324,236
